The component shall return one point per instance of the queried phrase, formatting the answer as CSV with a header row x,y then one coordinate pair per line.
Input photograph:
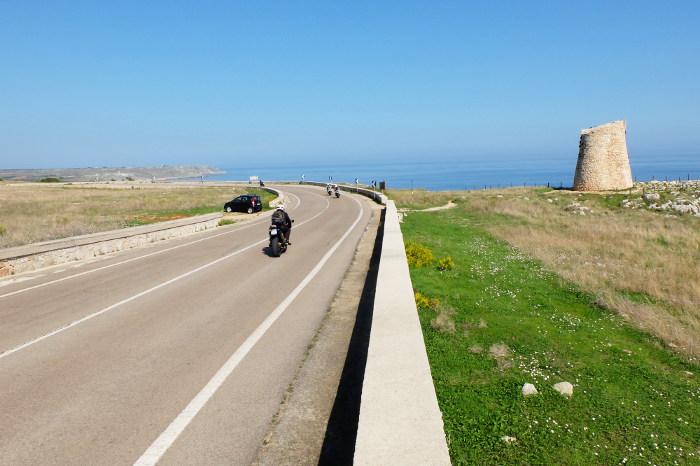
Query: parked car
x,y
246,203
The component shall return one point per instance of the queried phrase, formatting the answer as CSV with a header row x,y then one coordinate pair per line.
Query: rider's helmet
x,y
280,206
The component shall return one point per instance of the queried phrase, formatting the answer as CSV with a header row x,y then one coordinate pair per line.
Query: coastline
x,y
67,175
444,175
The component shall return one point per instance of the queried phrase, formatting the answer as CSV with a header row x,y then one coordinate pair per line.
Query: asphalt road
x,y
176,353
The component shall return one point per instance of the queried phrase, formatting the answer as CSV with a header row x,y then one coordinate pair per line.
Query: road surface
x,y
176,353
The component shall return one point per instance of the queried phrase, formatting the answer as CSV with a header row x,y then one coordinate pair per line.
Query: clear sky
x,y
125,83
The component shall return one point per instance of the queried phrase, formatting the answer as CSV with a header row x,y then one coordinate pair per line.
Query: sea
x,y
453,175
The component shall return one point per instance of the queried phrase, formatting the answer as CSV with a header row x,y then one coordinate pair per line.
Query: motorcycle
x,y
337,193
328,190
278,243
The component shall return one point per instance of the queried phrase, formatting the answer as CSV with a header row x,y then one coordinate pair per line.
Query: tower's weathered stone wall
x,y
603,163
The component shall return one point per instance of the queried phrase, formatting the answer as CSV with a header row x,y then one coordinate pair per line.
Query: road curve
x,y
175,353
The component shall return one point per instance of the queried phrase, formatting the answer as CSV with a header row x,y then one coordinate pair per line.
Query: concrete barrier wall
x,y
39,255
400,421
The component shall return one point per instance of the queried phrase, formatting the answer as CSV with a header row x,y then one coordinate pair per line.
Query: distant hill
x,y
163,172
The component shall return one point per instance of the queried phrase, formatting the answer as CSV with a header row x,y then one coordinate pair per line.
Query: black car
x,y
246,203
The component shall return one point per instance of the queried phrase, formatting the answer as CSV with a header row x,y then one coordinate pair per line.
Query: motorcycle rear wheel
x,y
275,247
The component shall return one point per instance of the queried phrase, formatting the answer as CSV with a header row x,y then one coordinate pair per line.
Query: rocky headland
x,y
163,172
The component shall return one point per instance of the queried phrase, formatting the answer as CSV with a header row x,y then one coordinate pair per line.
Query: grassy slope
x,y
633,400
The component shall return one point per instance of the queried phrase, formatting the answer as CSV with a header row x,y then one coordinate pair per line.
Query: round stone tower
x,y
603,163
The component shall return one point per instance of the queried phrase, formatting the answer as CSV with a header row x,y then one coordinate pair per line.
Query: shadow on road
x,y
341,432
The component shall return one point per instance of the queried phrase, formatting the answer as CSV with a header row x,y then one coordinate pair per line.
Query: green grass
x,y
634,402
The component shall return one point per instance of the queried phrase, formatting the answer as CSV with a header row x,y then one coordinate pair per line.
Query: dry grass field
x,y
35,212
643,264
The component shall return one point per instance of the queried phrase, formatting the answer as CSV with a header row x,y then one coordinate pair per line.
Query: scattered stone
x,y
565,388
684,197
529,389
576,208
509,440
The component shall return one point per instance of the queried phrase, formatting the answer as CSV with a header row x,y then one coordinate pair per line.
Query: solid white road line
x,y
173,431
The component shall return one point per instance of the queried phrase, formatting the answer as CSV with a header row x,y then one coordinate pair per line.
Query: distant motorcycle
x,y
337,193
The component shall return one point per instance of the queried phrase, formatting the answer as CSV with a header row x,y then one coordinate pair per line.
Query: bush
x,y
50,180
423,302
418,255
446,264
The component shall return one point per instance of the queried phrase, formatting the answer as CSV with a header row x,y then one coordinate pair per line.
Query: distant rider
x,y
283,222
328,188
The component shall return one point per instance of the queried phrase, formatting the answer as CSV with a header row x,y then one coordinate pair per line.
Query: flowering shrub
x,y
423,302
418,255
446,264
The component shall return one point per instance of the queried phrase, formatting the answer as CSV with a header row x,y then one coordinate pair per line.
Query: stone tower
x,y
603,163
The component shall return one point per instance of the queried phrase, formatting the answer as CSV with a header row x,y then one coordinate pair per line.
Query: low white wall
x,y
39,255
400,421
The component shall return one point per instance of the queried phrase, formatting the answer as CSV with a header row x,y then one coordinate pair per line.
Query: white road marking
x,y
138,295
153,454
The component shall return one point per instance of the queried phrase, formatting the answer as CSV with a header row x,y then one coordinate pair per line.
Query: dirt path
x,y
449,205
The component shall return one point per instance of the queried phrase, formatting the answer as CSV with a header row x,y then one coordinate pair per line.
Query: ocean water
x,y
445,175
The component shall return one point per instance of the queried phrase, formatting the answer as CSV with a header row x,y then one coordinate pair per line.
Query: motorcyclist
x,y
328,188
337,190
283,222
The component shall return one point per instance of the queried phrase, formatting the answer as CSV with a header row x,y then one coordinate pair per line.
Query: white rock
x,y
529,389
507,439
565,388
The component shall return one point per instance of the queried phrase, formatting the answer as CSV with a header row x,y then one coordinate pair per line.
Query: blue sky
x,y
124,83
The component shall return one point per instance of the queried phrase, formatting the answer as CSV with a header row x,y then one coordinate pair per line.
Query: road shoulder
x,y
298,432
